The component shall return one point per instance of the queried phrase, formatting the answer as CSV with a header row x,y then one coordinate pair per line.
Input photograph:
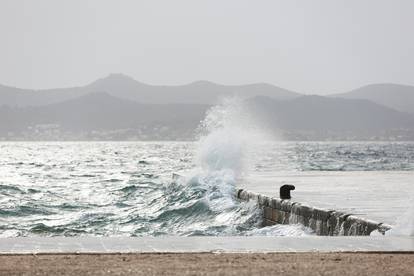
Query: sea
x,y
126,188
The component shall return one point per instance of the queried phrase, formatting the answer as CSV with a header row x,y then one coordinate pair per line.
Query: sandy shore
x,y
210,264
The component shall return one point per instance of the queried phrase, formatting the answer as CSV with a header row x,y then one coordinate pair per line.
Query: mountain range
x,y
118,85
119,108
398,97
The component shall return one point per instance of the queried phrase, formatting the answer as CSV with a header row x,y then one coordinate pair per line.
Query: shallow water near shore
x,y
126,189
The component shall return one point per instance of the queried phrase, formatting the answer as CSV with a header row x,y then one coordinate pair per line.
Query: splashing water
x,y
223,149
229,137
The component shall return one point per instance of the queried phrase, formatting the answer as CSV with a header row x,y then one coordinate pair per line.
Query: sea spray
x,y
229,137
203,202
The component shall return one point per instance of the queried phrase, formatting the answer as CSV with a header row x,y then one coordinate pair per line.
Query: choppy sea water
x,y
125,188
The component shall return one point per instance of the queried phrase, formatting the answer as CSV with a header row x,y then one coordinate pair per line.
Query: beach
x,y
209,264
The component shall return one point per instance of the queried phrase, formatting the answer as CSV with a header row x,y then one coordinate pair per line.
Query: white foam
x,y
227,138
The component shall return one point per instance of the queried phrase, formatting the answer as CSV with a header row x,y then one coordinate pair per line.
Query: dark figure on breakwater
x,y
285,191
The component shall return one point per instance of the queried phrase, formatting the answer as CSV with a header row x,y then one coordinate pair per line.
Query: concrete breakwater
x,y
323,222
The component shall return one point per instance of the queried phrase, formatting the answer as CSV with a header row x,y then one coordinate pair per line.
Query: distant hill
x,y
104,115
101,116
121,86
398,97
200,92
12,96
324,117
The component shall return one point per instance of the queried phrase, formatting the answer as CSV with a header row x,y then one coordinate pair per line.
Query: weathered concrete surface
x,y
375,195
323,221
37,245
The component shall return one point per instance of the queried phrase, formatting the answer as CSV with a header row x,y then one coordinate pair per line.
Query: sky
x,y
312,47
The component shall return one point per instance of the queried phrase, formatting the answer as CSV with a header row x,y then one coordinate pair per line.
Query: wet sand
x,y
209,264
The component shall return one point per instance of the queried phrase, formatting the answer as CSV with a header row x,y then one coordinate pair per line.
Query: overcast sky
x,y
308,46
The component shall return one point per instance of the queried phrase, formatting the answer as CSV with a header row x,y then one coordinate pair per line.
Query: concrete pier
x,y
323,221
382,196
